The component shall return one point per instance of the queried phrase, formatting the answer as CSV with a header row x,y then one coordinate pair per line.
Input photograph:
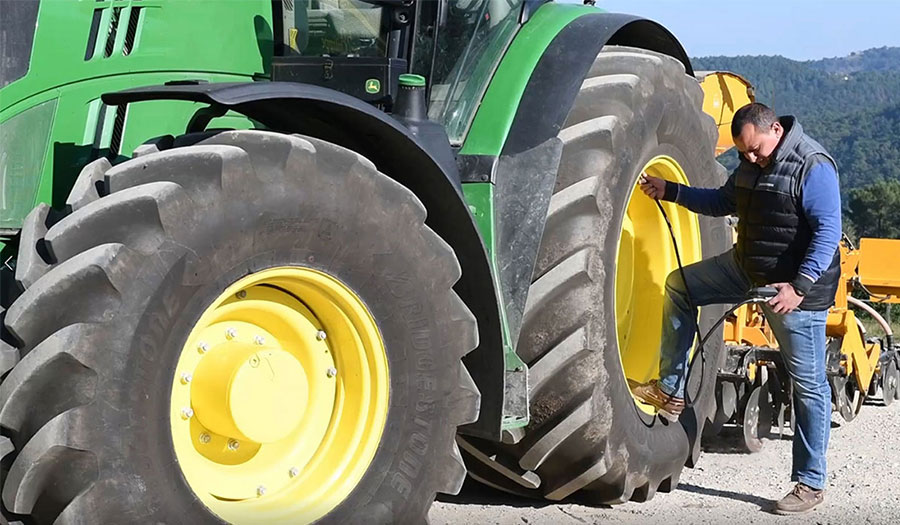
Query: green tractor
x,y
318,260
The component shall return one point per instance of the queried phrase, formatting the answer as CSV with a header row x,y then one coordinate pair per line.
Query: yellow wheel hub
x,y
645,258
279,397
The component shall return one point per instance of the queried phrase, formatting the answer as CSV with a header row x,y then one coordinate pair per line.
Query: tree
x,y
875,209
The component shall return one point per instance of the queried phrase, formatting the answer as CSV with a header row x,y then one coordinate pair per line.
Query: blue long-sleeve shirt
x,y
821,202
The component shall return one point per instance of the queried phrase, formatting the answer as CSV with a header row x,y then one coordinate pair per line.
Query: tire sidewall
x,y
391,280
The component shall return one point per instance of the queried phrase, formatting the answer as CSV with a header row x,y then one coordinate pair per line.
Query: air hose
x,y
755,295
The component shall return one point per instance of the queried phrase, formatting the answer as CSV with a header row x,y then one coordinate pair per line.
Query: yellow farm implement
x,y
753,390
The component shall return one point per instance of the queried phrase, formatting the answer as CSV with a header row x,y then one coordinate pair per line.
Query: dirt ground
x,y
729,485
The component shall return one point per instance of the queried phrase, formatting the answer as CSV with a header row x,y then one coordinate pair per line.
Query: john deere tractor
x,y
317,260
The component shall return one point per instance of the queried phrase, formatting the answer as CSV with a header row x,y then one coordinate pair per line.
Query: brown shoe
x,y
669,407
799,500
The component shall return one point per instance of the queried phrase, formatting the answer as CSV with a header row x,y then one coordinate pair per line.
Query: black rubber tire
x,y
101,322
587,439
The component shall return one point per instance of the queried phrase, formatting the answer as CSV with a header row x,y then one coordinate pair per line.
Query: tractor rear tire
x,y
587,439
113,289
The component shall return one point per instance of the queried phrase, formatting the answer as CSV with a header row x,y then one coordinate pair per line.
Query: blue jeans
x,y
801,338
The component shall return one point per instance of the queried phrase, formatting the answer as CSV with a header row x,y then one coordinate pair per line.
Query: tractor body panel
x,y
77,51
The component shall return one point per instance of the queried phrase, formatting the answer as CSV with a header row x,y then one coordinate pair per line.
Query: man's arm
x,y
716,202
821,201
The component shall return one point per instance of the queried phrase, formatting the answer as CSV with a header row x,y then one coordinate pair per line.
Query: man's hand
x,y
654,187
787,299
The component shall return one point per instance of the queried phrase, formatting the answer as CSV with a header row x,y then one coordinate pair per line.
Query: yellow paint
x,y
644,259
877,272
284,423
723,94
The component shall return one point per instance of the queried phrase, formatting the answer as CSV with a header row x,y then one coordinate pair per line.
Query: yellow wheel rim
x,y
645,258
279,397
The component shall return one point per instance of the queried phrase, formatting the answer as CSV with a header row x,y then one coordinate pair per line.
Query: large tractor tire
x,y
593,316
247,327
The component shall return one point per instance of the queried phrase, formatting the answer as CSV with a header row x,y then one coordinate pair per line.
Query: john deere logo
x,y
373,85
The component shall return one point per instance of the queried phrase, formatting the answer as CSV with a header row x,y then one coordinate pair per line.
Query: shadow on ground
x,y
764,504
474,493
731,441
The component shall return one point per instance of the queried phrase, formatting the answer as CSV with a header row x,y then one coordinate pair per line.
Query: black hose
x,y
758,295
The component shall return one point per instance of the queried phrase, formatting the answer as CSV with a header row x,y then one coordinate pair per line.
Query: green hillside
x,y
852,106
878,59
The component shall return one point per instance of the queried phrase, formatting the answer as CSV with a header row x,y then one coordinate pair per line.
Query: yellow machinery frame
x,y
868,265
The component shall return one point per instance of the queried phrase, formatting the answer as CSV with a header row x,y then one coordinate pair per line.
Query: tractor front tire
x,y
117,290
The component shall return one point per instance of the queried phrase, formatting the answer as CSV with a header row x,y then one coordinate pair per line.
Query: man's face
x,y
758,145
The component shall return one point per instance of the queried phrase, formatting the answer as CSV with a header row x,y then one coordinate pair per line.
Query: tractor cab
x,y
362,47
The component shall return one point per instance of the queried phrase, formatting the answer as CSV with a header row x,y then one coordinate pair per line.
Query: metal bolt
x,y
293,472
186,378
260,340
242,294
331,372
202,347
233,444
260,490
321,335
205,438
230,333
187,413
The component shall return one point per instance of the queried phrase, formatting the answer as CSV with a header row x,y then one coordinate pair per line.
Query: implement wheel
x,y
227,332
890,380
594,311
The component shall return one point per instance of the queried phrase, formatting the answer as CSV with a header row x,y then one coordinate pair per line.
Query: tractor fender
x,y
431,175
558,75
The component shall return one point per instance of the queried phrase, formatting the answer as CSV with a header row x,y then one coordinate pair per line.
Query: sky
x,y
797,29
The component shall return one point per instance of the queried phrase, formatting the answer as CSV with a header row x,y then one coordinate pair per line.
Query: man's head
x,y
756,133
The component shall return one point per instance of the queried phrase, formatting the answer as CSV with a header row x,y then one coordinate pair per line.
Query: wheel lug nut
x,y
321,335
242,294
293,472
331,372
260,490
186,378
202,347
233,444
204,438
260,340
187,413
230,333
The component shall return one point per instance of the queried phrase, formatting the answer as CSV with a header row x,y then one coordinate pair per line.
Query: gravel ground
x,y
729,485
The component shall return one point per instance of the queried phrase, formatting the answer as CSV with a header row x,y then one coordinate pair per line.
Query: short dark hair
x,y
760,115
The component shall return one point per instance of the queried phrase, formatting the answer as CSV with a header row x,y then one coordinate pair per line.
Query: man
x,y
786,197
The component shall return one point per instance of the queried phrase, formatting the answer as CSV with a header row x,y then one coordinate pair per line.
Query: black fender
x,y
344,120
555,81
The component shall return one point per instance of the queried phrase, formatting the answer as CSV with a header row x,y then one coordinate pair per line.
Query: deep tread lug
x,y
6,446
52,379
132,217
44,308
31,264
465,399
154,145
205,172
541,449
452,472
85,189
9,356
37,467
